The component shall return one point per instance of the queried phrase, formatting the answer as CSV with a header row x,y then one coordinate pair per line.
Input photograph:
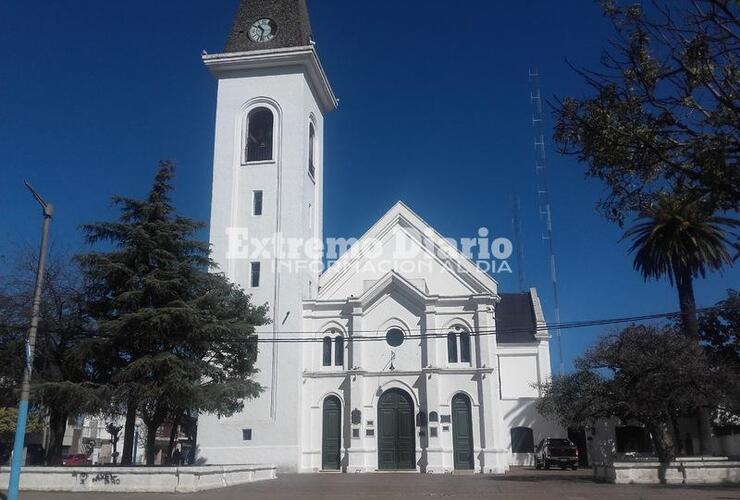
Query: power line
x,y
474,332
484,333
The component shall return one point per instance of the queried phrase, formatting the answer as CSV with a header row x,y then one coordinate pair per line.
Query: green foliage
x,y
9,418
577,399
719,331
11,353
665,109
719,328
643,373
61,383
172,336
675,237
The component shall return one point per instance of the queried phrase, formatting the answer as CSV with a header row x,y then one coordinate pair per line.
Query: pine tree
x,y
173,335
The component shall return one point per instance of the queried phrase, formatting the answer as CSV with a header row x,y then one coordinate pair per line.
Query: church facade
x,y
401,355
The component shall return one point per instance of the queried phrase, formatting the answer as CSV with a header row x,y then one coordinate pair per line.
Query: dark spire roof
x,y
515,321
290,16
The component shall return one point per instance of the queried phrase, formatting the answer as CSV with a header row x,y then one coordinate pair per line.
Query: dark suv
x,y
556,451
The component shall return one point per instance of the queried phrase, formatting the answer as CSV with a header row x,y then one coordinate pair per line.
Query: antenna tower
x,y
543,195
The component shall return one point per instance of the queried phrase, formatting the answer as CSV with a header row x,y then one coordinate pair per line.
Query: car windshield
x,y
558,442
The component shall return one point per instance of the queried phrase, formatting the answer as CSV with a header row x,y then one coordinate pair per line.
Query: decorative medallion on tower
x,y
269,24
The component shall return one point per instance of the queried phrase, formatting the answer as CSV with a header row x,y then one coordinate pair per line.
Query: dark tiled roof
x,y
291,17
515,320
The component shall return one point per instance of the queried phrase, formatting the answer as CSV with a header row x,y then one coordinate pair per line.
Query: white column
x,y
356,449
494,454
435,455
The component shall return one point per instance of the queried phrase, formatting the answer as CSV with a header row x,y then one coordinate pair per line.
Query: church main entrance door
x,y
396,431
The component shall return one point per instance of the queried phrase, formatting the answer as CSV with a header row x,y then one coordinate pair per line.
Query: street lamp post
x,y
20,428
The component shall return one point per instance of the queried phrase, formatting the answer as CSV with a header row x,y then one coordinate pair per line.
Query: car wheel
x,y
575,467
537,464
547,465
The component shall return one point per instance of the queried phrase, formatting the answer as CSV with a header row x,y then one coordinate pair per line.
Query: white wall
x,y
287,192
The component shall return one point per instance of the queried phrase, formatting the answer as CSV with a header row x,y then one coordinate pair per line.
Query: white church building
x,y
404,354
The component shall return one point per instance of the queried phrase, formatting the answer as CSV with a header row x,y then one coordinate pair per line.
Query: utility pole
x,y
20,428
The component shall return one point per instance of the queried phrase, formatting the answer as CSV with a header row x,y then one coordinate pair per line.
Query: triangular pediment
x,y
393,283
402,243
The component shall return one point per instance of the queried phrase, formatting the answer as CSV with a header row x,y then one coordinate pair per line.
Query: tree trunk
x,y
679,447
151,441
173,435
128,433
685,286
57,427
705,432
664,446
687,303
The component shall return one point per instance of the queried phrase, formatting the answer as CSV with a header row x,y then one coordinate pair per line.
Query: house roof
x,y
515,319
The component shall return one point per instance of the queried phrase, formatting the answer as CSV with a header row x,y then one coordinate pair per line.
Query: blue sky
x,y
434,111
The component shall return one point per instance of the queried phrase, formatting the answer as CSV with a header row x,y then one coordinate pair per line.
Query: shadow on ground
x,y
583,476
530,474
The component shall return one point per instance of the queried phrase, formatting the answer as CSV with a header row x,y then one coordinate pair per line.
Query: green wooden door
x,y
396,431
331,438
462,432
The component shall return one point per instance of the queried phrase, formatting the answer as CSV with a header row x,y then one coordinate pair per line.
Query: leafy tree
x,y
61,381
681,240
665,108
8,420
177,336
12,335
719,330
643,373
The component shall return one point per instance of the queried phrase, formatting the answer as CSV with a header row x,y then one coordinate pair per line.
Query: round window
x,y
394,337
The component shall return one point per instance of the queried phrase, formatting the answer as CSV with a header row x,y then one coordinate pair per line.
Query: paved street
x,y
519,484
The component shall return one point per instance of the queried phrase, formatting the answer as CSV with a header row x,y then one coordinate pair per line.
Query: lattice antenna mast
x,y
516,223
543,195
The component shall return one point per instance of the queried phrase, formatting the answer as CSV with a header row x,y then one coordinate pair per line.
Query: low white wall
x,y
138,479
728,445
684,471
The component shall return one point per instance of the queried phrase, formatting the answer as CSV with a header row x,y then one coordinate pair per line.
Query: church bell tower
x,y
268,190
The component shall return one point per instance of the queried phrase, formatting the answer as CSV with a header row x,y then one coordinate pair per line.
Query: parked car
x,y
77,459
556,451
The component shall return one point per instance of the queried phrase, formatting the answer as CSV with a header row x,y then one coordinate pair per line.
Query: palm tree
x,y
681,239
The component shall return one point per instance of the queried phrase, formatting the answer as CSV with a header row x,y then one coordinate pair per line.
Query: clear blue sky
x,y
434,111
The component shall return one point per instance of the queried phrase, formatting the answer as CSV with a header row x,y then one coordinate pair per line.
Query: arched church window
x,y
327,351
452,347
464,347
458,345
522,440
339,351
259,134
311,150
